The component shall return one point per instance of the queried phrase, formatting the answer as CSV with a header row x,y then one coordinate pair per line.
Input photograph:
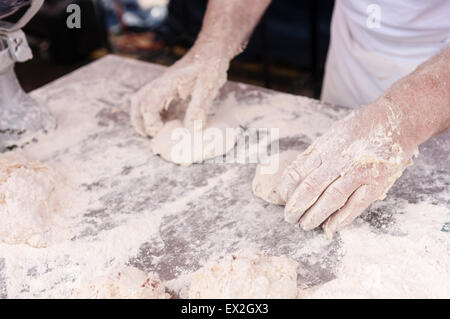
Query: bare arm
x,y
422,99
229,23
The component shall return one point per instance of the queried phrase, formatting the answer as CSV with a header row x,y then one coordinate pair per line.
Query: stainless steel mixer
x,y
21,117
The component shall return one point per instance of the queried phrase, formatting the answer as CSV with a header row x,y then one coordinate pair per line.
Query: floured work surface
x,y
137,209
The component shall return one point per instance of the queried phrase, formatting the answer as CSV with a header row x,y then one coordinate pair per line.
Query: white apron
x,y
367,55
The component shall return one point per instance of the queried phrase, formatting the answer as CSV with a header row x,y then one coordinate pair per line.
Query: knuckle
x,y
309,184
292,174
297,163
335,193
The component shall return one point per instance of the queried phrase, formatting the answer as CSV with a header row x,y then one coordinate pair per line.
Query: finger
x,y
333,198
295,173
156,100
205,90
307,193
136,116
143,106
196,112
355,206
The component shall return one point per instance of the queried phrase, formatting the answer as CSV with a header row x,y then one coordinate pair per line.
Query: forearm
x,y
421,101
228,24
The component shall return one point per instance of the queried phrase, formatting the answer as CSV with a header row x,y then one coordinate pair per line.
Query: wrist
x,y
400,126
207,55
208,47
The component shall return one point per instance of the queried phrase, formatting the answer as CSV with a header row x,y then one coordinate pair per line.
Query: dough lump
x,y
32,206
178,145
246,274
126,283
265,182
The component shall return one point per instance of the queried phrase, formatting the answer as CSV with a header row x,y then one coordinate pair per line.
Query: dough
x,y
32,204
126,283
177,144
246,274
268,176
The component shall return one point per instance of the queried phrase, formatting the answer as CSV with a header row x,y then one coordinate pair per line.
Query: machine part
x,y
21,118
17,47
9,7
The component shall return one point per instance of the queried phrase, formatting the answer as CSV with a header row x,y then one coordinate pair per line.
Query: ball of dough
x,y
31,204
246,274
178,145
126,283
268,176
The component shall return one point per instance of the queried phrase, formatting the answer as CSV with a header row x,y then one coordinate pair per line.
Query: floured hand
x,y
195,76
346,169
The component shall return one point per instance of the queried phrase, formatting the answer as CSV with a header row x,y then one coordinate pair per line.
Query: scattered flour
x,y
125,283
246,275
414,263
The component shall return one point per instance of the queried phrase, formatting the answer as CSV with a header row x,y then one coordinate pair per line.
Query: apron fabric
x,y
363,61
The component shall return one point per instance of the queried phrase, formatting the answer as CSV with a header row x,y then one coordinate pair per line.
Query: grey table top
x,y
206,209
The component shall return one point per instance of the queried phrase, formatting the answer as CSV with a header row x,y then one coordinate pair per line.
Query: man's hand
x,y
346,169
358,160
196,76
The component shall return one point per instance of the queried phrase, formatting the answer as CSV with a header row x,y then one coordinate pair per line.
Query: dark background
x,y
286,52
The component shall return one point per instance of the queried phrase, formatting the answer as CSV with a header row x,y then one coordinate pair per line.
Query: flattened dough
x,y
246,274
266,181
126,283
176,144
32,203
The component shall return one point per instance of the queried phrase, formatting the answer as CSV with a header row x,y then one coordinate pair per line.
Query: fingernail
x,y
328,229
293,212
306,225
290,215
307,221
